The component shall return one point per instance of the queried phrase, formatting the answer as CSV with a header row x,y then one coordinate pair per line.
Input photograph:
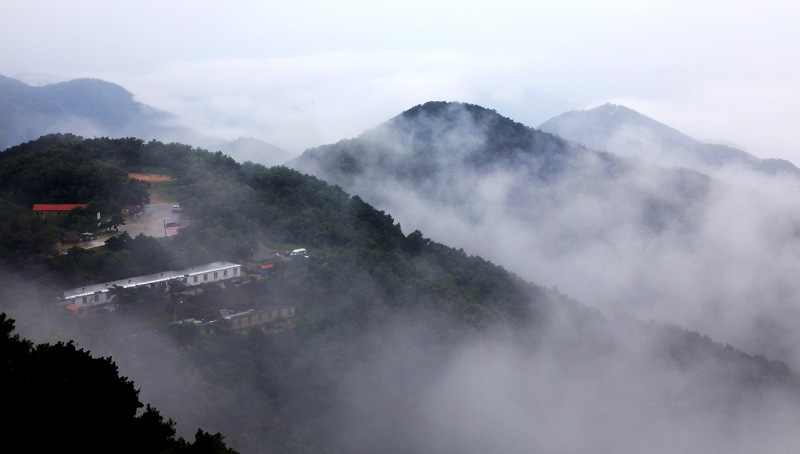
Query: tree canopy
x,y
57,397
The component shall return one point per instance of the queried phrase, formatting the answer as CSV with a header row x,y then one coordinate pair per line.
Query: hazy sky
x,y
305,73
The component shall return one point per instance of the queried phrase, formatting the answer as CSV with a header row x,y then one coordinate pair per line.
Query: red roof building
x,y
47,210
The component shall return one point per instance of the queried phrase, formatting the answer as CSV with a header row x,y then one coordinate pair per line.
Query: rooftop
x,y
58,206
147,279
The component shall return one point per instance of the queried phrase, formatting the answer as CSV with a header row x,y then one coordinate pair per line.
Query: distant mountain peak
x,y
621,130
88,84
433,118
444,107
86,107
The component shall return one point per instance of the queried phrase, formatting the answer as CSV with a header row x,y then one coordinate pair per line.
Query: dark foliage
x,y
59,398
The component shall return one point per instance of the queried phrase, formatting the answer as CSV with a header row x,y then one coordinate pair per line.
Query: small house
x,y
261,262
51,211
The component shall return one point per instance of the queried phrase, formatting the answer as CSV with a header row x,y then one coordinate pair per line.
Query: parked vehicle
x,y
88,236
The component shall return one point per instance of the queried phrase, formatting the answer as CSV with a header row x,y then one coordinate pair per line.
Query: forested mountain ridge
x,y
618,233
486,176
621,130
404,344
444,149
422,143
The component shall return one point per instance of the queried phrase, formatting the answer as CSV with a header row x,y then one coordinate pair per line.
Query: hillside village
x,y
181,287
176,288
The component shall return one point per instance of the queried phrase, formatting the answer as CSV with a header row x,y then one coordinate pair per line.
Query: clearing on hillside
x,y
150,177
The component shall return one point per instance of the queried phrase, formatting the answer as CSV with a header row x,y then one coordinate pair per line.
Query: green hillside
x,y
385,320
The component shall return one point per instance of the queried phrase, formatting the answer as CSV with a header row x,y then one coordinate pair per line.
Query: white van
x,y
301,251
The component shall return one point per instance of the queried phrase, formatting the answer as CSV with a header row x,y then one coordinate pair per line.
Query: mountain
x,y
97,108
623,131
87,107
473,159
446,145
622,234
402,344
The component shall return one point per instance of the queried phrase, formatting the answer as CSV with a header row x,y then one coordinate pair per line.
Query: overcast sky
x,y
304,73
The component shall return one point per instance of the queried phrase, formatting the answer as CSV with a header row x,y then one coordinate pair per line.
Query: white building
x,y
92,295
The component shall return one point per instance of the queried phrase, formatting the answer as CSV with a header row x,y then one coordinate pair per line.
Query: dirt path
x,y
152,178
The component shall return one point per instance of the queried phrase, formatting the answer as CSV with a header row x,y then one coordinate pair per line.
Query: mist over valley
x,y
471,284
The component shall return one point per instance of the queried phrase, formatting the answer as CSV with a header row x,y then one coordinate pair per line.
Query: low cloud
x,y
723,262
299,102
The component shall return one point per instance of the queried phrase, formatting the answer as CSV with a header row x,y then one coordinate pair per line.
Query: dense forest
x,y
386,314
81,403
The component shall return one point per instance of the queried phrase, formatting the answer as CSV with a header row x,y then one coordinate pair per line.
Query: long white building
x,y
92,295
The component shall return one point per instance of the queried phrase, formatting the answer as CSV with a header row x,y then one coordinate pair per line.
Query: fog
x,y
724,264
635,245
570,384
503,392
301,74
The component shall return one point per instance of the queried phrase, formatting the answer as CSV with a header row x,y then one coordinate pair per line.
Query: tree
x,y
118,242
57,397
206,443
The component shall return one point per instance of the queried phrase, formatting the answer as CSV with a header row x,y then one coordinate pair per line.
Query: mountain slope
x,y
623,131
404,344
447,152
619,233
469,158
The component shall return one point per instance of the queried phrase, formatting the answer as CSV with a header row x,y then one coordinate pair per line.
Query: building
x,y
261,262
93,295
247,319
50,211
254,317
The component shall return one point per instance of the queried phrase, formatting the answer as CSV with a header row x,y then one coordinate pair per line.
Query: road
x,y
150,223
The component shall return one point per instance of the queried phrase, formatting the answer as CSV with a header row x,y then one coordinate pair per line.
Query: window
x,y
84,300
96,297
225,273
215,274
236,271
205,277
195,279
